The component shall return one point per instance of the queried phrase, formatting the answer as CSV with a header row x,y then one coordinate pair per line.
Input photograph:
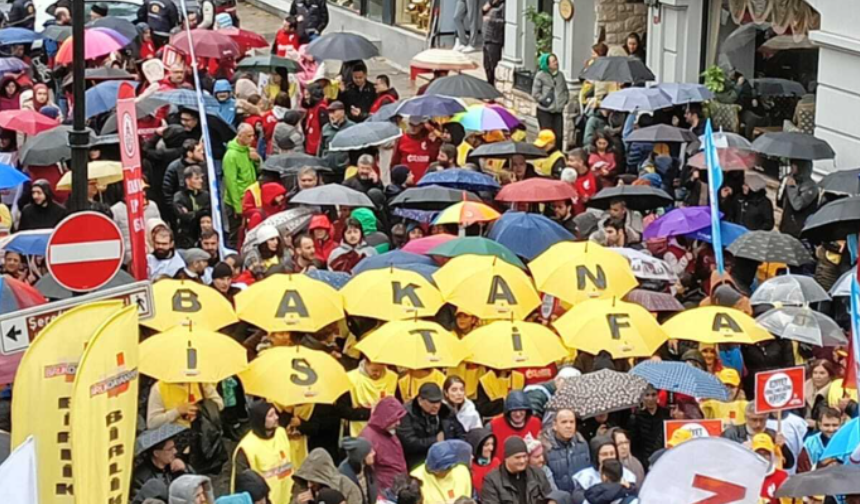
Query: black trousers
x,y
492,56
555,122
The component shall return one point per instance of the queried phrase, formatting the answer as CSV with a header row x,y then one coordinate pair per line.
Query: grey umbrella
x,y
288,223
364,135
385,113
803,324
636,98
463,86
636,197
52,290
684,93
122,26
144,107
770,246
794,290
342,46
836,479
295,160
793,145
599,392
842,182
432,197
149,438
833,221
661,133
507,149
771,86
49,147
332,194
625,69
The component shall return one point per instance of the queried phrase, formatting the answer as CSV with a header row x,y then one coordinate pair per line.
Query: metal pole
x,y
78,137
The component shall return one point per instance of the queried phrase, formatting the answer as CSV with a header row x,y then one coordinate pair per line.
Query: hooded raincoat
x,y
390,460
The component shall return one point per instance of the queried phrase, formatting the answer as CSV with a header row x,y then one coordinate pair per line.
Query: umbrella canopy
x,y
268,63
18,36
426,244
431,197
680,221
834,221
793,145
207,44
188,98
682,378
180,301
836,479
507,149
463,86
144,107
287,223
487,287
342,46
844,442
579,271
122,26
528,234
391,294
16,295
28,122
295,375
430,106
728,140
443,59
466,213
842,287
774,86
648,267
602,391
654,301
413,344
289,303
729,231
799,323
246,39
842,182
293,161
512,345
684,93
332,194
54,291
731,159
101,98
536,190
12,64
623,69
792,290
153,437
393,258
334,279
636,98
770,246
715,325
103,173
33,242
386,113
11,177
662,133
188,354
363,135
97,43
48,147
458,178
623,329
475,245
486,118
637,197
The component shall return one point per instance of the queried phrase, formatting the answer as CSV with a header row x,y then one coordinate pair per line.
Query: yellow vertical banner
x,y
104,412
42,397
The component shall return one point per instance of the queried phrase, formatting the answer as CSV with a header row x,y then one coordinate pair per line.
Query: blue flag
x,y
715,181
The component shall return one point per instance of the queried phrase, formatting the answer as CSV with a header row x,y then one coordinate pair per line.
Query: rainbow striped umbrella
x,y
487,118
466,213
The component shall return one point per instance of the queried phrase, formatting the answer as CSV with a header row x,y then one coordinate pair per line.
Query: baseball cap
x,y
730,376
430,392
545,137
762,441
678,437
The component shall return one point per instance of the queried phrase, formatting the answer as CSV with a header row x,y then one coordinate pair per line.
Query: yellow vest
x,y
731,413
174,395
836,393
470,373
498,388
366,393
409,385
457,483
463,151
543,166
270,458
298,441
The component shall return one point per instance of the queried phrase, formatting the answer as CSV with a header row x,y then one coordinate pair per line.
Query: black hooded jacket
x,y
257,422
44,216
418,430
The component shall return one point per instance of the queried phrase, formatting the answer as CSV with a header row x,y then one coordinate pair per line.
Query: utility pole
x,y
79,138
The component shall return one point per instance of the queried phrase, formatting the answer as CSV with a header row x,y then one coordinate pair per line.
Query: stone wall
x,y
619,18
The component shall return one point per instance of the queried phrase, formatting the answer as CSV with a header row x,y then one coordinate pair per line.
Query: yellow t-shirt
x,y
366,392
408,385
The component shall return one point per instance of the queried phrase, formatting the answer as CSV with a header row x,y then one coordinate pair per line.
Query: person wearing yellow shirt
x,y
409,383
178,402
493,387
266,451
445,475
554,162
371,382
470,373
731,412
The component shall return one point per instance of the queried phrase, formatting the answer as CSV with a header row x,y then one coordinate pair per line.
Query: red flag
x,y
132,177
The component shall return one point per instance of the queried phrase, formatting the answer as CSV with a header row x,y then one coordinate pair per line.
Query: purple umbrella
x,y
12,64
119,37
679,221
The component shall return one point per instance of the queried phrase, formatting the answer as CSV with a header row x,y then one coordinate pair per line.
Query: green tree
x,y
542,22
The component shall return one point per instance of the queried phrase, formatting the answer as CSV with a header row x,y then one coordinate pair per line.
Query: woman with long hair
x,y
454,392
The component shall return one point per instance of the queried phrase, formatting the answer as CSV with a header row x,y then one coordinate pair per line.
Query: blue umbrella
x,y
682,378
844,442
101,98
457,178
335,279
685,93
15,36
527,234
729,231
11,177
430,106
188,98
423,216
27,242
393,258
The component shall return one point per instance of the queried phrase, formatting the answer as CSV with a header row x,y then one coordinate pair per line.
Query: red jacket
x,y
416,153
283,41
313,127
586,186
503,430
480,472
147,50
269,123
386,98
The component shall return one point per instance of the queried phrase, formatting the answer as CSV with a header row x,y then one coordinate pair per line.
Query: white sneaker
x,y
458,46
467,49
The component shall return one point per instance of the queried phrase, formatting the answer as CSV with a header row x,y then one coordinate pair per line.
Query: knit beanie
x,y
515,445
356,450
399,174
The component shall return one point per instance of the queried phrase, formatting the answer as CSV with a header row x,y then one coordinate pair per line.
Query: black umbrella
x,y
599,392
219,131
507,149
836,479
842,182
793,146
463,86
431,197
636,197
149,438
49,147
770,86
145,107
342,46
122,26
268,63
770,247
834,221
52,290
624,69
295,161
101,74
662,133
57,32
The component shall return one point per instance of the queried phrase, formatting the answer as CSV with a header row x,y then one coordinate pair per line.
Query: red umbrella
x,y
25,121
730,160
207,44
424,245
246,39
536,190
97,43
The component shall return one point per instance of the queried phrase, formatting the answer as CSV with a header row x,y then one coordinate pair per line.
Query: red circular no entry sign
x,y
85,251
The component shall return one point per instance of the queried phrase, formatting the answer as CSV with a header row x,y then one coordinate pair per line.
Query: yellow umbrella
x,y
466,213
577,271
177,301
103,172
715,324
295,375
190,354
511,345
622,329
391,294
289,303
487,287
413,344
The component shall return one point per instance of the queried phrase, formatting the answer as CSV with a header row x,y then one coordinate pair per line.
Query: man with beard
x,y
304,254
365,178
447,157
189,205
209,243
163,261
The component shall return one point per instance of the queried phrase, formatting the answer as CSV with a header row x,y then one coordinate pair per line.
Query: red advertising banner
x,y
698,428
780,389
126,119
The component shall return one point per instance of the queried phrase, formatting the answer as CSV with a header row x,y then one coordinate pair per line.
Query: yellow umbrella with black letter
x,y
178,301
295,375
413,344
292,302
391,294
189,354
513,344
622,329
714,325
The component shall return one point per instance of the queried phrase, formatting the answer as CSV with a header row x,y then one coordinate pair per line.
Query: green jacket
x,y
239,174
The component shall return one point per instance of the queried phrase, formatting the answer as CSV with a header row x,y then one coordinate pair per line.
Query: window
x,y
414,14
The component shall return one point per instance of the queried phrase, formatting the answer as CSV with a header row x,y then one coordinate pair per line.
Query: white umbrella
x,y
804,325
648,267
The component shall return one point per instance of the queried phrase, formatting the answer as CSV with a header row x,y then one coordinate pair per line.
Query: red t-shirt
x,y
586,186
416,153
283,41
500,428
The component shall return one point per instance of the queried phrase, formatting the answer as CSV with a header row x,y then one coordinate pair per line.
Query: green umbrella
x,y
268,63
476,246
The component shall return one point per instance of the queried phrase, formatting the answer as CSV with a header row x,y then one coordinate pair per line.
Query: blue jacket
x,y
226,108
565,459
814,448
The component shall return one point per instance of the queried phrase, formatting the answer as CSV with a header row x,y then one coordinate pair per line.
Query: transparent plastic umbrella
x,y
803,324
